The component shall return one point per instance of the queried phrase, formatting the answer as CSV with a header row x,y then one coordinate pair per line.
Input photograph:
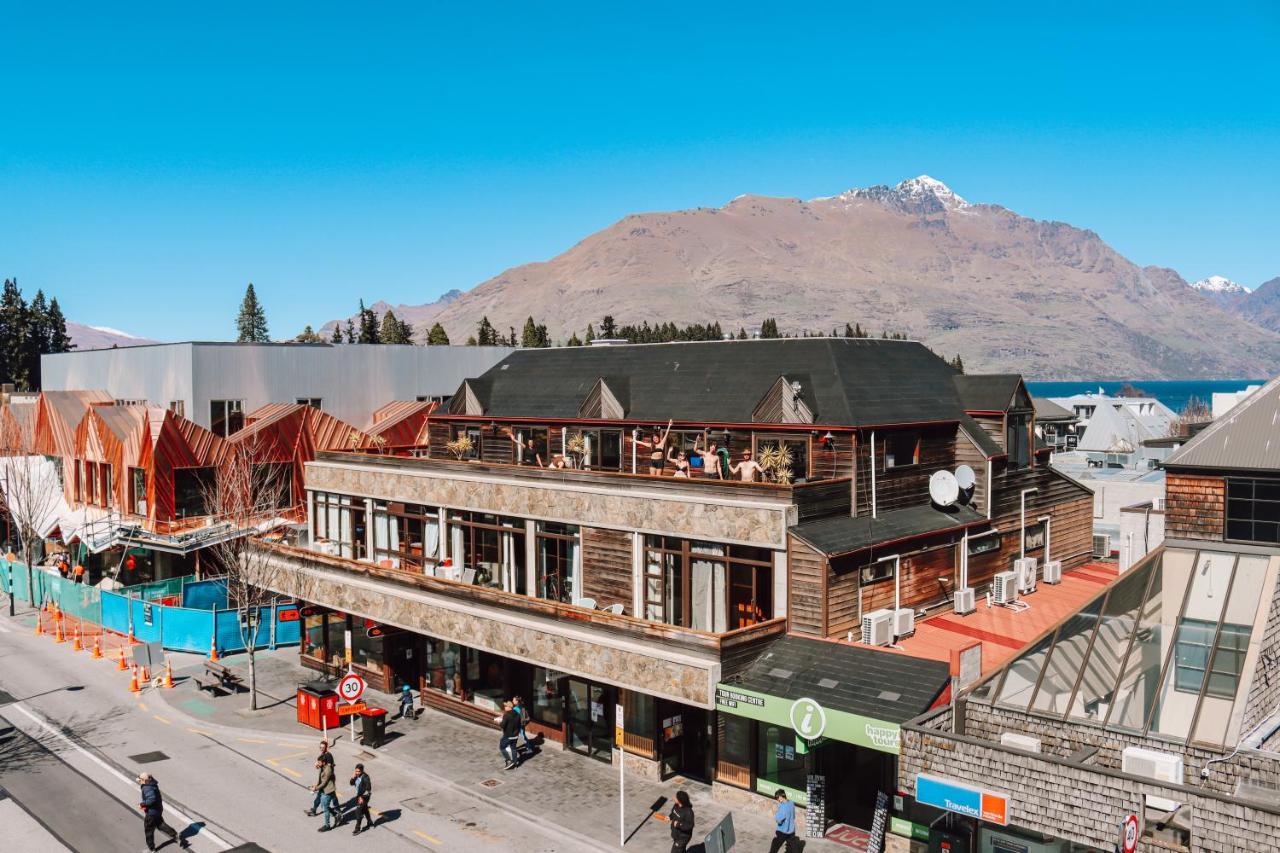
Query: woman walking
x,y
682,820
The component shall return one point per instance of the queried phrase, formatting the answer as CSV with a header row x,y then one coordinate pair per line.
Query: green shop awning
x,y
818,688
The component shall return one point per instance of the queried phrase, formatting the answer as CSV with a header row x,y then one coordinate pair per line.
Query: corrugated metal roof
x,y
1047,410
1245,438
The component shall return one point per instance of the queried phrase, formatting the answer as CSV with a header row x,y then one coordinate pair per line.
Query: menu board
x,y
876,842
815,825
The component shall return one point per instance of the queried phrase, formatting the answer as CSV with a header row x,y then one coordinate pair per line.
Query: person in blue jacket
x,y
784,820
152,807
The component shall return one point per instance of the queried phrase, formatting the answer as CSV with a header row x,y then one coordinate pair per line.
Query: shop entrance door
x,y
591,713
687,741
405,654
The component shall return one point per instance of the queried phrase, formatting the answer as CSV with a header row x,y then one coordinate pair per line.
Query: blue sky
x,y
155,158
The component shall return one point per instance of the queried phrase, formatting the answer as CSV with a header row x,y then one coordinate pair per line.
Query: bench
x,y
218,679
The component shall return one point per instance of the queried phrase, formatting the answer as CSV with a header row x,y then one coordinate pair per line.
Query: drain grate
x,y
491,783
148,757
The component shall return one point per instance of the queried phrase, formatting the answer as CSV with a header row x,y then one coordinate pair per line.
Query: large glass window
x,y
604,449
192,487
546,704
336,638
273,482
780,762
557,556
365,650
1018,440
339,525
1253,510
901,448
313,634
137,491
707,586
640,723
491,546
733,757
226,417
90,482
1196,641
797,447
405,536
459,431
444,667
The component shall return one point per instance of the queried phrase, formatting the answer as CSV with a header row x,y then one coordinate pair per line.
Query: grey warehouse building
x,y
216,384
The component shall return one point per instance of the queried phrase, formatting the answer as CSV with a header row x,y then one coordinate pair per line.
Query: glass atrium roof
x,y
1168,650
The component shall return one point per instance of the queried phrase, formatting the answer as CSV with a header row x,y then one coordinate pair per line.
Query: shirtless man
x,y
710,457
747,468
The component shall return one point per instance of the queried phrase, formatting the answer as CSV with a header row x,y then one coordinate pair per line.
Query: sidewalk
x,y
556,790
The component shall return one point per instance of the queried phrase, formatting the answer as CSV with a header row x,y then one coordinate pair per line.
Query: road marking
x,y
250,740
39,721
430,838
161,719
143,706
199,732
294,773
276,761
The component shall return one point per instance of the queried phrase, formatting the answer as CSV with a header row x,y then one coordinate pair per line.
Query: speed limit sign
x,y
351,687
1129,834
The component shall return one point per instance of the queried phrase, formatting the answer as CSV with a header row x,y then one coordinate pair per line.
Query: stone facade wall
x,y
655,510
657,670
1194,507
1078,801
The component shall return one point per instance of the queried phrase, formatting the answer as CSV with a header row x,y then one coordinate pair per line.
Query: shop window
x,y
733,757
780,762
545,704
336,638
901,449
226,417
365,650
1194,648
444,668
1253,510
640,721
313,635
137,491
1166,823
192,487
405,536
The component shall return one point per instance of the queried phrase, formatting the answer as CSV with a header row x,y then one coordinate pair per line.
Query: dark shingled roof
x,y
844,381
842,534
1246,438
991,392
854,679
1047,410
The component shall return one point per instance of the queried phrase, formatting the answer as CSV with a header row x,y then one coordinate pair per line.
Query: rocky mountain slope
x,y
101,337
1006,292
1223,291
1263,305
419,316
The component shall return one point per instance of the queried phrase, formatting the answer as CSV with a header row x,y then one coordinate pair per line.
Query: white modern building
x,y
1225,401
217,384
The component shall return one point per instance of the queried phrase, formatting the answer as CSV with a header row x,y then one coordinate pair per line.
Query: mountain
x,y
1263,305
102,337
1223,291
1006,292
419,316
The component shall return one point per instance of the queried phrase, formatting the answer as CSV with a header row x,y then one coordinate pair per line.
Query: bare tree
x,y
32,490
249,497
1196,411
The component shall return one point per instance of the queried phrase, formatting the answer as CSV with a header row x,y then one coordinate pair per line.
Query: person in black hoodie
x,y
681,818
364,788
152,807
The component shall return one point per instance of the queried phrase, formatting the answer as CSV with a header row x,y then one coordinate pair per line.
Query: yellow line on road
x,y
143,706
161,719
430,838
250,740
294,773
199,732
276,761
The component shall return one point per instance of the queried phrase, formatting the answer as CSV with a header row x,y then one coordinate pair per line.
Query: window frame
x,y
229,408
313,402
1231,525
894,438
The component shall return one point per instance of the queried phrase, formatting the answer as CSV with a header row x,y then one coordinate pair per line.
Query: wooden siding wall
x,y
967,453
437,437
818,500
829,462
806,569
921,573
496,446
994,425
1194,506
607,567
906,486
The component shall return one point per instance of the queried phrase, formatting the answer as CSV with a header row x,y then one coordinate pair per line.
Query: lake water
x,y
1174,393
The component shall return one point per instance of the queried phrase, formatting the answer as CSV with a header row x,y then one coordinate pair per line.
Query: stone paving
x,y
555,788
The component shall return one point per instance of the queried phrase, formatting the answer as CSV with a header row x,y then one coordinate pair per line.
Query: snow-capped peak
x,y
111,331
1218,284
919,195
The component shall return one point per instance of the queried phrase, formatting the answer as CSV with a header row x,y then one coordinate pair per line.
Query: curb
x,y
404,767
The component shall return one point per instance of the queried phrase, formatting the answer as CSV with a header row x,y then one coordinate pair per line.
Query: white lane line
x,y
3,629
204,832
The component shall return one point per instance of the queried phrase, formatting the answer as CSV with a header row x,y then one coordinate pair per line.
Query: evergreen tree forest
x,y
28,331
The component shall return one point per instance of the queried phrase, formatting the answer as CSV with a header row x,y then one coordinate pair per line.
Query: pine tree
x,y
308,336
437,337
471,341
529,335
393,331
351,331
573,341
958,363
591,333
13,334
37,338
59,340
251,324
608,329
368,325
486,335
742,333
769,328
337,334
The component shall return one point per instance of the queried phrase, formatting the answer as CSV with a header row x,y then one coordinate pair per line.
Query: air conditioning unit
x,y
1026,569
1053,571
904,622
1101,545
877,628
1004,588
1152,764
964,600
1026,743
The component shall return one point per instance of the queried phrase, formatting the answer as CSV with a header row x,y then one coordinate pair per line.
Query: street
x,y
73,739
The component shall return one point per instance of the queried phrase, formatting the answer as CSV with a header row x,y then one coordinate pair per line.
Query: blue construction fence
x,y
182,614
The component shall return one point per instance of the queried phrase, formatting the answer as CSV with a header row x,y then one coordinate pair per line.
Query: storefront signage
x,y
809,717
907,829
953,796
815,821
876,842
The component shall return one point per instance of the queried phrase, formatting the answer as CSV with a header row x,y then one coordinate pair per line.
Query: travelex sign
x,y
809,719
953,796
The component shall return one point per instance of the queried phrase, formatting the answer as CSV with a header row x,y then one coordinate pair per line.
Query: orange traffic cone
x,y
120,664
76,645
145,677
133,683
97,648
213,650
39,626
58,637
168,673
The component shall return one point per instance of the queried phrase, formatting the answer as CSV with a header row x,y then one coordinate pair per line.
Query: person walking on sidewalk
x,y
152,807
517,705
510,723
326,789
681,818
364,788
406,704
784,820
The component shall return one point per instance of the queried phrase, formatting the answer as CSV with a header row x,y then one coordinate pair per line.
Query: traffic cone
x,y
76,645
97,648
39,625
133,683
213,650
120,664
58,637
168,673
145,677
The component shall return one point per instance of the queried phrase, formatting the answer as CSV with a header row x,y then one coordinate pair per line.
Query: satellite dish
x,y
965,478
943,489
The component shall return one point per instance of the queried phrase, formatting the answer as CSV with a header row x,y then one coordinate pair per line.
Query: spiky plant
x,y
460,446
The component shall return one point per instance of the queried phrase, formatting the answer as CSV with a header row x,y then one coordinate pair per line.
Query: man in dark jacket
x,y
326,789
152,807
510,724
681,818
364,788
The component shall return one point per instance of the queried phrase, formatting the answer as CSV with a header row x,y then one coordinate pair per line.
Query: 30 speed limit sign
x,y
351,687
1129,834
